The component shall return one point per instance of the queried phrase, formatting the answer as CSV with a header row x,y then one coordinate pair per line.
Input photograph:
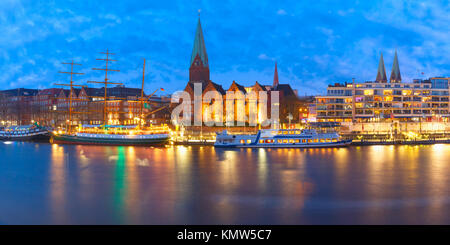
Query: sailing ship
x,y
33,132
283,138
115,135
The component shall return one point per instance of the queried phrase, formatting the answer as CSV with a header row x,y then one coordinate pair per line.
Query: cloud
x,y
265,57
314,43
281,12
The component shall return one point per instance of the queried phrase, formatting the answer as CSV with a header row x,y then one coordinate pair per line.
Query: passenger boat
x,y
113,135
282,138
32,132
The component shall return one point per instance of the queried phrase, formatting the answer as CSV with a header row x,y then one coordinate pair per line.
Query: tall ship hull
x,y
110,139
283,138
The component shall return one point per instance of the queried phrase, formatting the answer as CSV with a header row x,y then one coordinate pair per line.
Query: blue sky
x,y
315,43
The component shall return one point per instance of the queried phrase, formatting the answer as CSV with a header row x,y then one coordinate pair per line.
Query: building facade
x,y
380,100
50,107
199,74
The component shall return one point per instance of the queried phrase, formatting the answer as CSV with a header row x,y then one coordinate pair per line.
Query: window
x,y
261,141
242,141
249,141
280,141
285,141
291,141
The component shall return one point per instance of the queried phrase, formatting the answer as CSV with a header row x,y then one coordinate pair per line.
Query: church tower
x,y
199,66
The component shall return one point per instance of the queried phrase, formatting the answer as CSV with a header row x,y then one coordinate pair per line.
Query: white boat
x,y
32,132
118,135
282,138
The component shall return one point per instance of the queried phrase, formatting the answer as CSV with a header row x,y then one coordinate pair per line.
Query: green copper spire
x,y
381,74
199,46
395,74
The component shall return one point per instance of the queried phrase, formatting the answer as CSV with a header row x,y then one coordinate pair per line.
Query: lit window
x,y
280,141
261,141
249,141
285,141
242,141
291,141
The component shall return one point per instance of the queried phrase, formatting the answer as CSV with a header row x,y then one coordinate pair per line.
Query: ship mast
x,y
142,97
106,82
71,85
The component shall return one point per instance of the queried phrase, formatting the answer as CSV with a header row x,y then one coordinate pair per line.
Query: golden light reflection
x,y
84,172
262,168
132,197
438,169
58,184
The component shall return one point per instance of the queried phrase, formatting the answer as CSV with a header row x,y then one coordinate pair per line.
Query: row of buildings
x,y
383,100
50,107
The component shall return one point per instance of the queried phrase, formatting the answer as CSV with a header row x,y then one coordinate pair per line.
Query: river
x,y
54,184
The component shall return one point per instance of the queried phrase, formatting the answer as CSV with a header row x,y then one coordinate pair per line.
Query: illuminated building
x,y
199,73
379,100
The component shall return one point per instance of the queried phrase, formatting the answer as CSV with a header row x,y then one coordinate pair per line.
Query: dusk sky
x,y
315,43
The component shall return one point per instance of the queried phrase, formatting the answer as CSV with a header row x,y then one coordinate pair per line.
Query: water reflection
x,y
203,185
58,184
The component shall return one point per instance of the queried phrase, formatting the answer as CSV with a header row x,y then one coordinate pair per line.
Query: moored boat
x,y
112,135
33,132
282,138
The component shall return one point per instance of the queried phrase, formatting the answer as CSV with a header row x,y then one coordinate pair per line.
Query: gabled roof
x,y
217,87
381,73
395,74
237,86
262,87
199,46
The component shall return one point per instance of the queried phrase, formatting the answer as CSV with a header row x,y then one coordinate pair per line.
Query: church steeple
x,y
275,76
381,73
395,74
199,66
